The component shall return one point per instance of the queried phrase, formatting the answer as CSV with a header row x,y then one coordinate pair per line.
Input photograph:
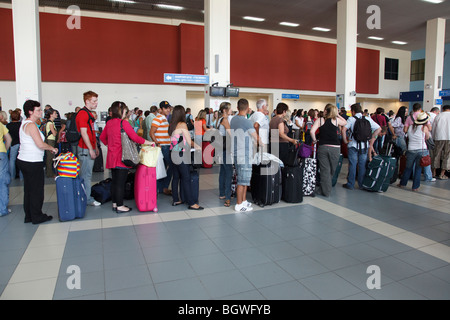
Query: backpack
x,y
362,131
189,123
73,135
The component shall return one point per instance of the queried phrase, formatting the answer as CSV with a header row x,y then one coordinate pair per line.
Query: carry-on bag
x,y
310,175
379,173
101,191
71,198
207,156
292,184
337,171
266,185
145,190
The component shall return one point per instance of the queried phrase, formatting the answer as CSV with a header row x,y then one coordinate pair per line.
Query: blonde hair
x,y
201,115
332,111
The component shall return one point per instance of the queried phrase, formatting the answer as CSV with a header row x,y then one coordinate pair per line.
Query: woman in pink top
x,y
111,137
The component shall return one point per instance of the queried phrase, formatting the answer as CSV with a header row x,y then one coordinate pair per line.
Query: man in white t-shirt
x,y
261,123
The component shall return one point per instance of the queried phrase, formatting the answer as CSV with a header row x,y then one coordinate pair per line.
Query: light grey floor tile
x,y
170,270
429,286
267,274
292,290
183,289
247,257
301,267
395,291
125,278
226,283
329,286
210,263
137,293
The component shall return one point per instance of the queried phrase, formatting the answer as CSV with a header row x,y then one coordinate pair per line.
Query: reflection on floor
x,y
323,248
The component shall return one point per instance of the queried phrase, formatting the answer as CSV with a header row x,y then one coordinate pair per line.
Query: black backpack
x,y
73,135
189,123
362,131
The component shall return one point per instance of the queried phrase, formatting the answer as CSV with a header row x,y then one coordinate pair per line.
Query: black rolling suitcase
x,y
292,184
266,184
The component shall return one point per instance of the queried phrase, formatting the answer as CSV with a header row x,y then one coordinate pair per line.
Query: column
x,y
27,50
217,47
434,62
347,27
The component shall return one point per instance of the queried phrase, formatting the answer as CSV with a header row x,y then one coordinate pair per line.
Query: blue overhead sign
x,y
185,78
411,96
444,93
439,102
290,96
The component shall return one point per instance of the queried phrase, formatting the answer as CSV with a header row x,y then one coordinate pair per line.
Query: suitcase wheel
x,y
155,210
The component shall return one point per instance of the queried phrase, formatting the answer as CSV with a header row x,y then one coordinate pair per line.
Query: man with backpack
x,y
363,133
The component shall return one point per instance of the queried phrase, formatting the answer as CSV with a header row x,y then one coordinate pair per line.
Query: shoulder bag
x,y
130,154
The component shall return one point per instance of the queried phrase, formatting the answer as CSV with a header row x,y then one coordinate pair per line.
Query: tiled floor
x,y
320,249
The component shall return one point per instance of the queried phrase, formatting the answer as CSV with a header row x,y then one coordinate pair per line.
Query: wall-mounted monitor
x,y
231,92
215,91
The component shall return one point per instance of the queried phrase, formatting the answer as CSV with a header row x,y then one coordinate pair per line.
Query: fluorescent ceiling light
x,y
289,24
321,29
124,1
399,42
376,38
169,7
434,1
254,19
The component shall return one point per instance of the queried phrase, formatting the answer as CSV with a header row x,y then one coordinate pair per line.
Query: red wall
x,y
114,51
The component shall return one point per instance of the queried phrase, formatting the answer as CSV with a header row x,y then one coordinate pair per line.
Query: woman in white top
x,y
417,148
297,124
31,162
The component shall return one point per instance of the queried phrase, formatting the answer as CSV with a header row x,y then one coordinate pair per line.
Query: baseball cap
x,y
164,104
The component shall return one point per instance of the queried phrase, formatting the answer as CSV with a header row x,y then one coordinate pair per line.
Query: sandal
x,y
222,198
444,177
227,203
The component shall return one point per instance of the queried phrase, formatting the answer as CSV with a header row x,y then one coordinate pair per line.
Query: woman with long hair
x,y
329,149
111,137
50,134
278,123
181,144
398,124
418,134
226,165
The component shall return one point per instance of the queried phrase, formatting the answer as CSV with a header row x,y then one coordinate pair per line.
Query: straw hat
x,y
422,118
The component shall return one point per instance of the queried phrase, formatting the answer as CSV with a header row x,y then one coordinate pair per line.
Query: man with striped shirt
x,y
159,133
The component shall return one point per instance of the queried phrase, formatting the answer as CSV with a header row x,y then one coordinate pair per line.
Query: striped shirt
x,y
162,131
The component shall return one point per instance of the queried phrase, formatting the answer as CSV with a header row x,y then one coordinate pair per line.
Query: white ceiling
x,y
403,20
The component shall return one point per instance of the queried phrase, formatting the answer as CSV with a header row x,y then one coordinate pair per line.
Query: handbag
x,y
305,151
149,156
67,165
425,161
130,154
161,172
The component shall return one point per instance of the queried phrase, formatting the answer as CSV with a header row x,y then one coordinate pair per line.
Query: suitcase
x,y
309,177
292,184
195,187
266,189
207,157
71,198
145,191
379,174
337,172
101,191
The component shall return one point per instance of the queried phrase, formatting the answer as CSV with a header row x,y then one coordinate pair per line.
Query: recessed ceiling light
x,y
321,29
399,42
289,24
375,38
254,19
169,7
434,1
123,1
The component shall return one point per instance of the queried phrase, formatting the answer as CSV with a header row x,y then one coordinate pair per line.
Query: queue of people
x,y
176,132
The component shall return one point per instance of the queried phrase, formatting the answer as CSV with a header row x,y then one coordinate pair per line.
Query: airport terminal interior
x,y
353,245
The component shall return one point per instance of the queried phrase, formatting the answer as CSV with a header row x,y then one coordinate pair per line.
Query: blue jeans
x,y
356,158
13,153
413,165
165,183
87,164
5,180
225,177
182,178
401,143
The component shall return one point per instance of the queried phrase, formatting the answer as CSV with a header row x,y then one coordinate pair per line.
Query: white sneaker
x,y
242,208
95,204
247,204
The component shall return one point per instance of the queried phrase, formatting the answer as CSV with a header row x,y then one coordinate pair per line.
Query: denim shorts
x,y
244,174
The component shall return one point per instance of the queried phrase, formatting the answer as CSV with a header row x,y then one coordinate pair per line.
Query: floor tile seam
x,y
31,248
294,280
401,231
